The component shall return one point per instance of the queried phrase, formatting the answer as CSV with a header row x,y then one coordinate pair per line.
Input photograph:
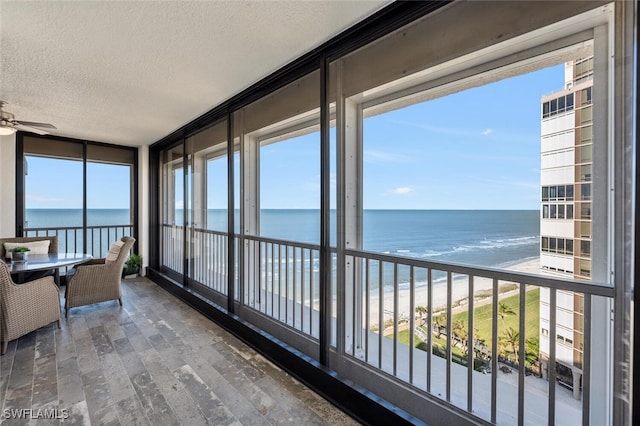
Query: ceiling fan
x,y
8,124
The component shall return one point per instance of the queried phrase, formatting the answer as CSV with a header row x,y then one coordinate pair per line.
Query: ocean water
x,y
476,237
50,218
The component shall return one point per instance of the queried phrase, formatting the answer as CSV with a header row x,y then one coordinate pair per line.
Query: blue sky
x,y
477,149
53,184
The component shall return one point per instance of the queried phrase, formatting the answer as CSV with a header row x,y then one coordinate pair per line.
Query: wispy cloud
x,y
384,157
402,190
52,200
452,131
510,182
437,129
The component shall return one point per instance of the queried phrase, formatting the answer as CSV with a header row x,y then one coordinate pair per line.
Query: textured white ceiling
x,y
132,72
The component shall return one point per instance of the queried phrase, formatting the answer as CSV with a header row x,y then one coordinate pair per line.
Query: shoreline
x,y
460,290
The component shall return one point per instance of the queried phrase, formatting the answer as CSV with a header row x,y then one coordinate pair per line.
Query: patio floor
x,y
153,361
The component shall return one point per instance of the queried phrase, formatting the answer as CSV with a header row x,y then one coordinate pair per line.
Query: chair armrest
x,y
30,293
88,271
99,261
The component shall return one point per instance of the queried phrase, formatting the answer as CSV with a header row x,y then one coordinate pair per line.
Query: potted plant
x,y
20,254
132,265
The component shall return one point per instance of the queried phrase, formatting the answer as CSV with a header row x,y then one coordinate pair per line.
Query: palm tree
x,y
512,339
460,330
504,310
532,351
421,311
440,321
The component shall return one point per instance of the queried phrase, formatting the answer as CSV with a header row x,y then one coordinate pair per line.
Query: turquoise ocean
x,y
477,237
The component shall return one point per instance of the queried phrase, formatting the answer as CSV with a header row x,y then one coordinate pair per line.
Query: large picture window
x,y
83,192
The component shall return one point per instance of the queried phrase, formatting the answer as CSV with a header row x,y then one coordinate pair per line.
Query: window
x,y
586,133
585,191
569,211
569,192
545,193
586,115
557,106
585,211
54,202
557,245
561,192
545,211
586,155
586,96
569,246
560,211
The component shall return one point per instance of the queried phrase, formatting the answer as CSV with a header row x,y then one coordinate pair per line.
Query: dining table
x,y
44,262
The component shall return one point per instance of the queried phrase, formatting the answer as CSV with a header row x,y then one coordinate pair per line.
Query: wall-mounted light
x,y
6,130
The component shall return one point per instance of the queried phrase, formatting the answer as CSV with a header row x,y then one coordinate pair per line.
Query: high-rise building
x,y
565,222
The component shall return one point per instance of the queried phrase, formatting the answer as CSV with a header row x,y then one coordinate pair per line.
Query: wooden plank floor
x,y
155,361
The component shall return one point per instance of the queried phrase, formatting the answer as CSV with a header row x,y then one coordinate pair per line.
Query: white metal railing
x,y
382,281
282,282
172,255
209,259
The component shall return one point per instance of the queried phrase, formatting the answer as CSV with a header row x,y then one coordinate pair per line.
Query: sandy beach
x,y
460,290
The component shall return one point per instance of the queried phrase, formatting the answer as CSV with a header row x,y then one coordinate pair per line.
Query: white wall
x,y
558,175
8,186
557,228
557,261
558,141
565,157
558,123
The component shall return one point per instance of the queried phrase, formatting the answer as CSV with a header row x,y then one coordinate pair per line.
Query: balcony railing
x,y
71,238
382,333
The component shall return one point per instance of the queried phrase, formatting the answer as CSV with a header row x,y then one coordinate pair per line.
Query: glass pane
x,y
172,217
561,211
569,211
569,192
569,246
585,191
207,201
108,205
53,199
561,192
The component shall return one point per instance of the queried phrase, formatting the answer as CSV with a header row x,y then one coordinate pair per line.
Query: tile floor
x,y
153,361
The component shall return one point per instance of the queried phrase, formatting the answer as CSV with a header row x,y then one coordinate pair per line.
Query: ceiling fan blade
x,y
34,124
22,127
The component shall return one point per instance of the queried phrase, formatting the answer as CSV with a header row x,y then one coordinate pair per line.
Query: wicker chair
x,y
26,307
53,249
99,279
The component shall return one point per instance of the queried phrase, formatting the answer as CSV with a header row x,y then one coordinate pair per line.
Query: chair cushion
x,y
114,251
36,247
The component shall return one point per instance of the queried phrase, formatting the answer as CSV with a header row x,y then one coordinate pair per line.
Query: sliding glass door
x,y
81,191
